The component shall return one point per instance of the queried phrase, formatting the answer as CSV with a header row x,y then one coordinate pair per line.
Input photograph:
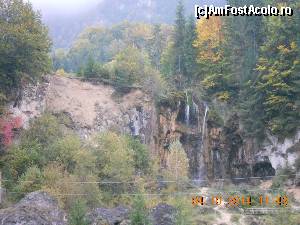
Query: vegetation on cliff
x,y
24,46
249,64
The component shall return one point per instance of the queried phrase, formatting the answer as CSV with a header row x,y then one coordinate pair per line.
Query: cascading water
x,y
196,112
201,160
187,110
204,123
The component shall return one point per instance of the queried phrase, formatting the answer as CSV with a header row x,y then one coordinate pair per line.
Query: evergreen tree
x,y
190,52
77,213
179,38
243,38
139,215
89,69
156,46
279,75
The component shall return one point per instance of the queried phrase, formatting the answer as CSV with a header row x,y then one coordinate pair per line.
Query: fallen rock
x,y
163,214
37,208
103,216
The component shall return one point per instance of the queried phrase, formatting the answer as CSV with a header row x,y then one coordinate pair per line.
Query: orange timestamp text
x,y
238,201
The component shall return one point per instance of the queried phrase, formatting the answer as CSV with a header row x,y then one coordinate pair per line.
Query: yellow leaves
x,y
208,83
294,45
296,62
288,49
61,73
223,96
284,50
140,31
209,38
275,100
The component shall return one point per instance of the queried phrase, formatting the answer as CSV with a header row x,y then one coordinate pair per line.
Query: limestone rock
x,y
37,208
91,107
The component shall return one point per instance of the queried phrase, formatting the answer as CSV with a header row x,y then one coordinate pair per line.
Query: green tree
x,y
190,51
141,155
278,79
77,213
139,214
30,181
179,39
156,46
243,37
131,66
24,45
114,159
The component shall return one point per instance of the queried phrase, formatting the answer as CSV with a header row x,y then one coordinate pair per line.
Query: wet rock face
x,y
192,143
184,123
163,214
35,209
103,216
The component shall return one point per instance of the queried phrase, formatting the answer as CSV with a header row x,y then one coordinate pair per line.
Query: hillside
x,y
64,29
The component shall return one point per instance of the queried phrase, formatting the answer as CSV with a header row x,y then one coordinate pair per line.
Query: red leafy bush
x,y
7,126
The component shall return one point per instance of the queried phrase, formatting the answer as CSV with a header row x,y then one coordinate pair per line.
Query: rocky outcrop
x,y
163,214
103,216
37,208
90,107
222,151
280,153
215,150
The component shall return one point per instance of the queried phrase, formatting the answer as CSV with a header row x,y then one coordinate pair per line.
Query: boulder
x,y
103,216
163,214
37,208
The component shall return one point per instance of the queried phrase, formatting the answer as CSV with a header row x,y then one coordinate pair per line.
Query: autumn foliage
x,y
209,39
7,126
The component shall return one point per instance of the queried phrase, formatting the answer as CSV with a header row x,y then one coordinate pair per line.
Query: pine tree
x,y
139,215
190,51
279,75
179,38
243,38
77,213
156,46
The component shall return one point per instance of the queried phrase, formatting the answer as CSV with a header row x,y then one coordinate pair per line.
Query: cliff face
x,y
90,108
222,151
214,151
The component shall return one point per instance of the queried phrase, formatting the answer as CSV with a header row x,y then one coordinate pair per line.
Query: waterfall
x,y
204,122
187,109
196,108
201,160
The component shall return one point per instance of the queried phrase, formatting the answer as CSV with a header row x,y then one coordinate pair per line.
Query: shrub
x,y
177,162
93,69
60,184
282,176
141,155
30,181
64,151
139,214
183,211
45,130
114,160
21,157
77,213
